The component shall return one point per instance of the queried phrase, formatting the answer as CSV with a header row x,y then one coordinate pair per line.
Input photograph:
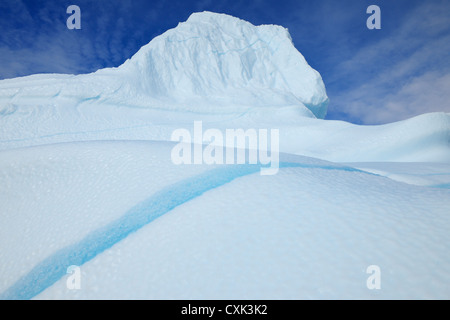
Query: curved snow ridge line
x,y
236,115
51,135
53,268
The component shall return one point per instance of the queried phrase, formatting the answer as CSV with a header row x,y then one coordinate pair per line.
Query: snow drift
x,y
142,228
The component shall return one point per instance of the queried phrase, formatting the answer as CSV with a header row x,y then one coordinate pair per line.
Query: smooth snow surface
x,y
86,178
308,232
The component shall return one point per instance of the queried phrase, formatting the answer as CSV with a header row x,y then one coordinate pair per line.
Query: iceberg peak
x,y
218,60
208,16
212,63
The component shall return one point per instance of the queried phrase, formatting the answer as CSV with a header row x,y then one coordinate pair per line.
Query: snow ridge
x,y
55,267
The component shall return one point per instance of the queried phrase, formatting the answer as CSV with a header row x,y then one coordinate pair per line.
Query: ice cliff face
x,y
219,60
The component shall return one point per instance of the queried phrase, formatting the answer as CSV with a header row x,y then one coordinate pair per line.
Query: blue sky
x,y
371,76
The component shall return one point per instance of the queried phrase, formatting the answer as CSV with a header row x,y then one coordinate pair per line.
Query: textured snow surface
x,y
141,227
86,179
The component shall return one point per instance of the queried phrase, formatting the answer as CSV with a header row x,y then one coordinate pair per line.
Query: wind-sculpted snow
x,y
70,204
54,267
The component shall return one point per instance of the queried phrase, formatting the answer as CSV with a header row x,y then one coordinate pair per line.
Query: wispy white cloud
x,y
401,75
428,92
35,38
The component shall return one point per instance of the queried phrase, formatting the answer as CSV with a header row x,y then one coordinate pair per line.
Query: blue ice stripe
x,y
53,268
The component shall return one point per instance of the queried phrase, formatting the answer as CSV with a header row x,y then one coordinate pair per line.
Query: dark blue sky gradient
x,y
371,76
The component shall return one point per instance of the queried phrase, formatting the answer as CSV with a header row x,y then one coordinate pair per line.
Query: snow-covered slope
x,y
218,69
140,226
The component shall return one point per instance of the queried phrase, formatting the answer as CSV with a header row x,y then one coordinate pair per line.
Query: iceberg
x,y
87,181
218,69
